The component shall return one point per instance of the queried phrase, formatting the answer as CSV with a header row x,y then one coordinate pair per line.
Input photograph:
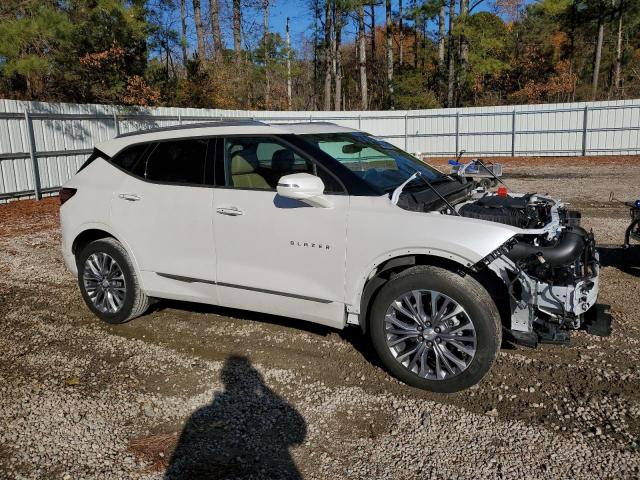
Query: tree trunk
x,y
451,54
617,80
214,13
400,35
337,57
372,10
288,66
415,35
464,44
441,35
327,55
317,20
389,55
237,28
362,58
338,79
183,35
199,29
424,43
267,76
598,53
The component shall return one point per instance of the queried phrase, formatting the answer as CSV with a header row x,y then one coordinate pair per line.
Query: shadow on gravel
x,y
626,260
245,432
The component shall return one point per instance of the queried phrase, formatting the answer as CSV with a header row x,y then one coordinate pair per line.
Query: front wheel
x,y
435,329
108,282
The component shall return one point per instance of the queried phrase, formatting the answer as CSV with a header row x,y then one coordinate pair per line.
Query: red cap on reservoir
x,y
502,191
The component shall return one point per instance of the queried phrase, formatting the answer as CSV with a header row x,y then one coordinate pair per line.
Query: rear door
x,y
277,255
163,210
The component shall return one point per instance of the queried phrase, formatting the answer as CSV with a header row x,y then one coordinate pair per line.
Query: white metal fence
x,y
43,144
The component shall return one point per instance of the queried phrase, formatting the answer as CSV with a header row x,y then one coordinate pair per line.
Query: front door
x,y
276,255
163,211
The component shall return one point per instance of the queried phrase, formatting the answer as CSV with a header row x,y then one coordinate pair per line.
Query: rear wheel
x,y
108,282
435,329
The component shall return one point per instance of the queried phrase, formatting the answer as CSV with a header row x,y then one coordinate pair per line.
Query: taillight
x,y
66,194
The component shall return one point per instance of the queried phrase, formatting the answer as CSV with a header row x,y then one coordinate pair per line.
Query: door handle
x,y
132,197
231,211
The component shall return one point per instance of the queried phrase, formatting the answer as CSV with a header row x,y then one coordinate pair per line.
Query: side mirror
x,y
304,187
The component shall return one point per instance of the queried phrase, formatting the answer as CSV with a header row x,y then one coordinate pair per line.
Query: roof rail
x,y
213,123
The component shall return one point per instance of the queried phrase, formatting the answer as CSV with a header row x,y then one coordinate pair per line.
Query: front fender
x,y
379,231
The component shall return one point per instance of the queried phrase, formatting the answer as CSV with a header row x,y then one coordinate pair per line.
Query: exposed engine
x,y
558,251
551,269
526,211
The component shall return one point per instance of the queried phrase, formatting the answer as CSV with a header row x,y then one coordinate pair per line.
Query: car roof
x,y
223,127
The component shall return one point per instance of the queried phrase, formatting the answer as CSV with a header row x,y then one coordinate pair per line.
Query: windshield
x,y
377,162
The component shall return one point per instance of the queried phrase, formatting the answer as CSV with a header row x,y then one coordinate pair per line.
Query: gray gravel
x,y
244,396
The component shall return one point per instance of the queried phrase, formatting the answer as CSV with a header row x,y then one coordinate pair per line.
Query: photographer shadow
x,y
245,432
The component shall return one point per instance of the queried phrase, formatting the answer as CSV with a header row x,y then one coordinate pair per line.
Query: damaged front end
x,y
551,268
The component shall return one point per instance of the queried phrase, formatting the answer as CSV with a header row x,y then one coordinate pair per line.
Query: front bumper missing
x,y
543,312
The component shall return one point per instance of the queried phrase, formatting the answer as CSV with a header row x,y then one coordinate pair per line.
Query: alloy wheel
x,y
104,282
430,334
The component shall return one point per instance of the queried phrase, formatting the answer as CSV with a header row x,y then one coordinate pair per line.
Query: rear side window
x,y
128,158
182,161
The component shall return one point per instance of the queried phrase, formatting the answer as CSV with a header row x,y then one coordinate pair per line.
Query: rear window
x,y
180,161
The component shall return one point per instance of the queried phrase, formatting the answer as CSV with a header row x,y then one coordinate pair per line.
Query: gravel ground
x,y
190,391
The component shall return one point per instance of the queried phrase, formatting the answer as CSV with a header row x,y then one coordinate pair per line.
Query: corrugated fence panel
x,y
64,134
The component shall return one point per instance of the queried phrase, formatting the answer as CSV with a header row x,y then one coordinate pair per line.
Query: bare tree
x,y
617,82
389,39
267,79
598,51
183,34
338,24
372,12
464,44
214,14
288,66
441,34
327,54
197,15
415,33
400,34
362,57
451,54
237,28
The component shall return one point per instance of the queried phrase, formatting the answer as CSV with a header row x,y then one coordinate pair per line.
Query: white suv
x,y
330,225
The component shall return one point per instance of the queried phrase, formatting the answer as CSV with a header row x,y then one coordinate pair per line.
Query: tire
x,y
122,299
435,370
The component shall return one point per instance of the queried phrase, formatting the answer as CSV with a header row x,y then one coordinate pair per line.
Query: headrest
x,y
282,161
240,165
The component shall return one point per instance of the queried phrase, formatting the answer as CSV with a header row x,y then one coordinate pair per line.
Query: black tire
x,y
470,295
135,302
